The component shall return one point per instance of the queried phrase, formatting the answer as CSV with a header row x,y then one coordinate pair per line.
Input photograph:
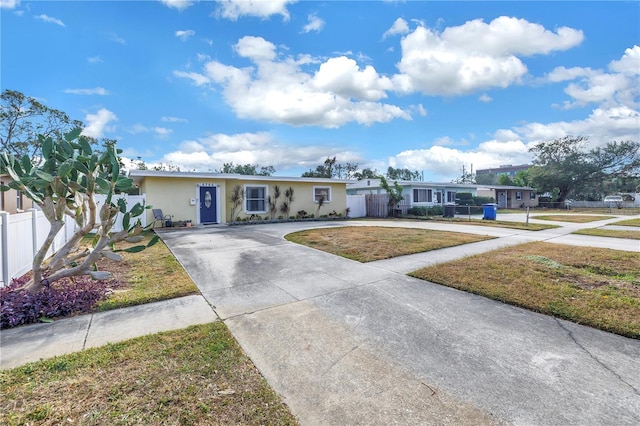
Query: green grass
x,y
628,222
370,243
592,286
148,276
574,218
611,233
194,376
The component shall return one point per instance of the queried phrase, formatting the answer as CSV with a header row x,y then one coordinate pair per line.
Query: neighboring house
x,y
203,198
415,193
13,201
510,197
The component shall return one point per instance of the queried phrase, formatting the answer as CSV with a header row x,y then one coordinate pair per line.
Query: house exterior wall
x,y
303,197
174,196
179,196
9,199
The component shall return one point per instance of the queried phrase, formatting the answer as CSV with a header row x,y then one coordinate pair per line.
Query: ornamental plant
x,y
65,182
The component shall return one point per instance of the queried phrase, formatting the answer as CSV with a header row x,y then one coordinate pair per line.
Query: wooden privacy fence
x,y
22,234
378,205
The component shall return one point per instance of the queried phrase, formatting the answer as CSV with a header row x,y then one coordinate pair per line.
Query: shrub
x,y
64,297
435,211
417,211
478,201
465,199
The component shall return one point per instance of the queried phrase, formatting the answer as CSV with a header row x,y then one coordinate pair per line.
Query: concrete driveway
x,y
354,344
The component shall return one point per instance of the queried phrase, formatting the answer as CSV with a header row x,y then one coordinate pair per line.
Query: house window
x,y
451,196
19,200
422,196
532,195
1,197
320,192
518,195
255,199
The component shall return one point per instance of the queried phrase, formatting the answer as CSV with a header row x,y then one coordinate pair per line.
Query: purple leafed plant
x,y
65,297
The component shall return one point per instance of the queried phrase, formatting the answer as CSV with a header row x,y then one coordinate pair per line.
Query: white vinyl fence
x,y
357,205
22,234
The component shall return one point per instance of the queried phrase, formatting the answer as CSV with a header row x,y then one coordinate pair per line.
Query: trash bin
x,y
449,210
489,211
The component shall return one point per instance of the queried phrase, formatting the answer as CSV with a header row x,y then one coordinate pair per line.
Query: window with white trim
x,y
322,192
422,195
451,196
255,198
518,195
19,200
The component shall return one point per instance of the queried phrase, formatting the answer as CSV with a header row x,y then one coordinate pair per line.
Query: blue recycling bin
x,y
489,211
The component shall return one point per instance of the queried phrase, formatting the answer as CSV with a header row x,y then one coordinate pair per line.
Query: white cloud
x,y
601,126
159,132
485,98
442,162
117,39
210,153
621,86
95,60
475,56
629,63
95,91
96,124
177,4
184,34
234,9
198,79
174,120
400,26
47,18
277,89
315,24
9,4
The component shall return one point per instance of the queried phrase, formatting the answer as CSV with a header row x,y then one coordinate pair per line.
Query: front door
x,y
502,200
208,205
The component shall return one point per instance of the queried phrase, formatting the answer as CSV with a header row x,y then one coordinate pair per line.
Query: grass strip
x,y
151,275
198,375
499,224
370,243
628,222
573,218
611,233
587,285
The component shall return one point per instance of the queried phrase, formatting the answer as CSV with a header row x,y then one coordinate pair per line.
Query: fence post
x,y
4,217
34,230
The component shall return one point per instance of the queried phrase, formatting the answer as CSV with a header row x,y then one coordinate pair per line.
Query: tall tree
x,y
403,174
65,183
332,169
367,173
23,118
565,166
247,169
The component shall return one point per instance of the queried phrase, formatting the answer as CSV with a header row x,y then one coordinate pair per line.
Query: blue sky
x,y
430,86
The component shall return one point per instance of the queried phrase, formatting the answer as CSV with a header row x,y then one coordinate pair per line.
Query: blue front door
x,y
208,207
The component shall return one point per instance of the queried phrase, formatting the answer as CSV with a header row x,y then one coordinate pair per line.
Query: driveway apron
x,y
350,343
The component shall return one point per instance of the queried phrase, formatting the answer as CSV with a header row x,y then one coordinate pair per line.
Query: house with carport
x,y
510,197
204,198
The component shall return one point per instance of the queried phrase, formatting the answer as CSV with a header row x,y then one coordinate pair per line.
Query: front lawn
x,y
611,233
592,286
369,243
194,376
148,276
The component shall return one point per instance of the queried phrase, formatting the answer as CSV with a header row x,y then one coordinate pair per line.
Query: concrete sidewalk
x,y
25,344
